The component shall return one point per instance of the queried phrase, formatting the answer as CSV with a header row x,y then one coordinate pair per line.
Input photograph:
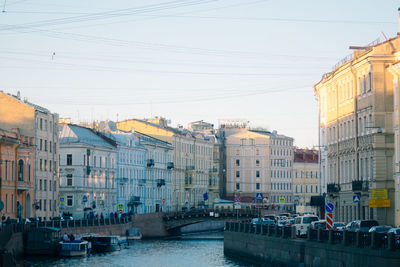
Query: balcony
x,y
213,170
359,185
170,165
333,188
189,168
88,170
134,201
160,182
24,186
150,162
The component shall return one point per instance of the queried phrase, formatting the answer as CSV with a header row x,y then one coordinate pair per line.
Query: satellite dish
x,y
112,126
102,126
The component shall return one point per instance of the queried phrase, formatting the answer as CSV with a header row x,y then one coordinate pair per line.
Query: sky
x,y
185,60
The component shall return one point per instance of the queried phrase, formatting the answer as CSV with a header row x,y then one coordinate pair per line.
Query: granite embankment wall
x,y
151,225
262,248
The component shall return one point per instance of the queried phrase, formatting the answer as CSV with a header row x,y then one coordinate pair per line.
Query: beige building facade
x,y
356,110
306,179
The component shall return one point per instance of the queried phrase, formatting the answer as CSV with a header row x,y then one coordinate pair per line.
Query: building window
x,y
44,205
237,186
237,174
237,162
258,174
257,162
50,201
69,159
45,145
41,124
45,164
40,184
45,185
40,144
209,180
20,170
258,186
50,152
49,185
69,179
69,201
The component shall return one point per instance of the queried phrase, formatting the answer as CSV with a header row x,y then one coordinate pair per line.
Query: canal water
x,y
190,250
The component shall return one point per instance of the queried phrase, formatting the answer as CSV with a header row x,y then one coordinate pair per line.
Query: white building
x,y
131,169
87,171
155,190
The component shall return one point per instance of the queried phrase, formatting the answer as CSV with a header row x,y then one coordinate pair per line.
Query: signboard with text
x,y
379,203
379,194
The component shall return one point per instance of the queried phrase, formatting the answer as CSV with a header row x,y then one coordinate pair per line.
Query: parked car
x,y
256,221
303,222
57,219
268,222
11,221
396,232
282,222
290,222
380,229
362,225
34,219
321,224
270,217
287,215
338,226
67,218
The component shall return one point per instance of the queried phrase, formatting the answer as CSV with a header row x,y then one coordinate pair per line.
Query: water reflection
x,y
186,252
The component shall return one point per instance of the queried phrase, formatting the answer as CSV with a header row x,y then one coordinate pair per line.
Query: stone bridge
x,y
175,220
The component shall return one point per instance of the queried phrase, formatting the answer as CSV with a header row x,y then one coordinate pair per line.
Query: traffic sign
x,y
356,199
329,207
84,199
282,200
329,220
237,199
120,206
163,200
120,211
259,196
61,199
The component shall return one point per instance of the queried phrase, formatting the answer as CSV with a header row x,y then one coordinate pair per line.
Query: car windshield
x,y
338,224
396,231
368,224
310,219
382,229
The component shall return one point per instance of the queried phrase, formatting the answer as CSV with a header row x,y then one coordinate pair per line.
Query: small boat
x,y
133,234
42,241
101,244
74,248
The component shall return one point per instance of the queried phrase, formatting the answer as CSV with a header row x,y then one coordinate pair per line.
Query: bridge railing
x,y
342,238
80,223
213,213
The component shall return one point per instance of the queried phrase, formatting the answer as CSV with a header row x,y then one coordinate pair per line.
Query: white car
x,y
303,222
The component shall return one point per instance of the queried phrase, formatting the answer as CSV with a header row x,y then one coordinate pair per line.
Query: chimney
x,y
398,10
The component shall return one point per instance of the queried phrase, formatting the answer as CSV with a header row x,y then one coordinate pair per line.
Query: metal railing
x,y
342,238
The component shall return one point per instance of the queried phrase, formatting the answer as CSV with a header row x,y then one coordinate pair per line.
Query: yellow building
x,y
356,129
16,157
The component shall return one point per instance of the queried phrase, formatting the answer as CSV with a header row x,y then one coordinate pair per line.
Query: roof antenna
x,y
4,7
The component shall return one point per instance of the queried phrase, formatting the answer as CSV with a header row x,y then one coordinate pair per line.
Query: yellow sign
x,y
61,199
281,200
379,194
120,206
379,203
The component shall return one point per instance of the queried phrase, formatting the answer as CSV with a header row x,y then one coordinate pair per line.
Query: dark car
x,y
362,225
380,228
396,233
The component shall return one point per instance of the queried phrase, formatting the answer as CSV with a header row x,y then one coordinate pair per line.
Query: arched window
x,y
20,170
